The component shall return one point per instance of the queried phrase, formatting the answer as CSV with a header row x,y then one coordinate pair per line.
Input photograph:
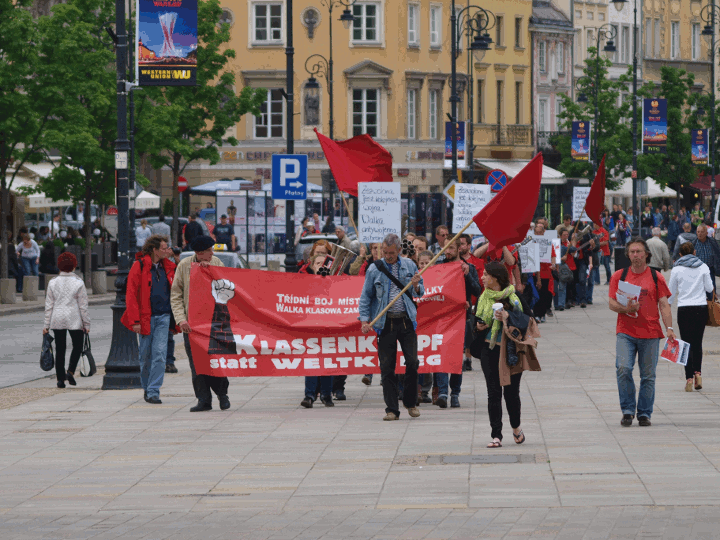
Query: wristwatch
x,y
668,328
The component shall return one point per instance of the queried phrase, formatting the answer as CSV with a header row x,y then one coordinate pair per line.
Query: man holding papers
x,y
636,293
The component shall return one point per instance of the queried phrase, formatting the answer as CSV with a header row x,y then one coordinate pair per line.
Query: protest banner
x,y
580,195
529,257
545,242
379,210
249,323
469,200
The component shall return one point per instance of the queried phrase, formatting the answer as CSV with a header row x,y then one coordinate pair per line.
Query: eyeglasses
x,y
441,235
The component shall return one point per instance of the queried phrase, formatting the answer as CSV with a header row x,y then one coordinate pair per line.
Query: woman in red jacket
x,y
148,311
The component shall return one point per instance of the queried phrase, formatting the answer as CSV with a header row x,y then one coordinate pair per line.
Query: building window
x,y
542,115
616,32
365,112
558,112
674,40
590,16
413,24
268,22
601,16
435,26
695,41
588,42
625,44
648,37
411,113
518,32
499,31
433,116
365,24
499,100
271,122
657,38
518,102
578,14
480,100
560,49
542,57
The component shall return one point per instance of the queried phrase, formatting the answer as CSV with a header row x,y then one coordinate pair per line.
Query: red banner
x,y
250,323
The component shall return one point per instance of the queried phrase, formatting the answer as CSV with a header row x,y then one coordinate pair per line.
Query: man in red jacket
x,y
148,311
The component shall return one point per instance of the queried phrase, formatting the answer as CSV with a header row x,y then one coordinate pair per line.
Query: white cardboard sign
x,y
469,200
530,257
580,195
545,243
379,205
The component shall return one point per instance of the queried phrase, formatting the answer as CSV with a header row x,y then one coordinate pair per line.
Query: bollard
x,y
7,291
30,288
110,282
273,266
99,282
48,277
255,265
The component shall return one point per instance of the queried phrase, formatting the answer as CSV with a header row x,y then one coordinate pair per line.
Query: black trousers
x,y
203,383
545,301
402,331
691,322
339,383
489,359
61,344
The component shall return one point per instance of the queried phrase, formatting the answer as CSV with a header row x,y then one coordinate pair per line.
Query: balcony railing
x,y
544,138
508,135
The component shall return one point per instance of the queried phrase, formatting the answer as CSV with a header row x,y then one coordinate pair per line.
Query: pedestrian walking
x,y
163,229
689,282
29,253
708,251
148,311
639,332
398,325
66,311
142,233
659,253
180,299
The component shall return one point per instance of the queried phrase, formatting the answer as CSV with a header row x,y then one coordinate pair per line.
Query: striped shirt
x,y
399,306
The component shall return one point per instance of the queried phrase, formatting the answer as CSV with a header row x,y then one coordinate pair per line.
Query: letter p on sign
x,y
289,176
286,165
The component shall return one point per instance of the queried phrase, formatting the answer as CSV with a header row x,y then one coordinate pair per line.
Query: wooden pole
x,y
435,258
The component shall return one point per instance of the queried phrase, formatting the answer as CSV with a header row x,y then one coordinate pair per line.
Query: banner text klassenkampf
x,y
249,323
166,43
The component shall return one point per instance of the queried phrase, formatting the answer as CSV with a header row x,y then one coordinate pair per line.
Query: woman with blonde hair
x,y
142,233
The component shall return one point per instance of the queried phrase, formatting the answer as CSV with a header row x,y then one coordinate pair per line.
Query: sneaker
x,y
414,412
390,416
644,421
153,400
327,401
366,380
583,305
224,402
454,402
627,420
307,403
201,407
560,308
425,398
340,395
170,368
549,313
468,364
441,402
542,319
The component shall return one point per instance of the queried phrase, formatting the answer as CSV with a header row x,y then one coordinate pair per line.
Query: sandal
x,y
496,443
519,438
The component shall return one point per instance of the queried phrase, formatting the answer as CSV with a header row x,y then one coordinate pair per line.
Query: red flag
x,y
595,202
359,159
506,218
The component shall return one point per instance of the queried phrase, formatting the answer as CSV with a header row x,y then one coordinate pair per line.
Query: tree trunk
x,y
88,239
176,199
4,208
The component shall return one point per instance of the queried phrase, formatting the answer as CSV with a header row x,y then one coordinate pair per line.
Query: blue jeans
x,y
30,267
626,348
560,293
311,384
153,351
442,383
595,275
581,281
606,263
170,357
589,288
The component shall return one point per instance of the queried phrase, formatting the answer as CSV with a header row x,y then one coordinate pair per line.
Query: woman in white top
x,y
29,253
66,310
142,233
689,282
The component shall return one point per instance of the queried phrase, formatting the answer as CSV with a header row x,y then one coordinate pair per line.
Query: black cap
x,y
223,216
201,243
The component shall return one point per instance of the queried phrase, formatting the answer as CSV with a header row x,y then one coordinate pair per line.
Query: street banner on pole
x,y
581,140
700,146
460,135
166,42
378,210
250,323
655,128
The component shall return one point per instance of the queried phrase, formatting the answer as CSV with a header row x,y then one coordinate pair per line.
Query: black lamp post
x,y
609,33
290,262
708,15
477,25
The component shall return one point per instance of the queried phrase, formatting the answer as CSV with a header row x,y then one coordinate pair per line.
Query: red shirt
x,y
498,256
604,237
545,270
570,260
647,323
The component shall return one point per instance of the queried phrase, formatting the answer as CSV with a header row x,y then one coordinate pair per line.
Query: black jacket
x,y
192,231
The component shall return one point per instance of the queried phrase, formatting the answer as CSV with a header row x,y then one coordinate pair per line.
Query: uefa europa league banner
x,y
580,144
166,46
655,127
699,146
251,323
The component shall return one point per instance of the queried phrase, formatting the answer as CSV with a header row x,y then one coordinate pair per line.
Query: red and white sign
x,y
249,323
182,184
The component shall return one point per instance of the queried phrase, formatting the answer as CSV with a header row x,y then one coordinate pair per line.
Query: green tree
x,y
614,135
189,123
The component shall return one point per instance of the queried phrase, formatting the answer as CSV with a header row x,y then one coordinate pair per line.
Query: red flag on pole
x,y
506,218
595,202
359,159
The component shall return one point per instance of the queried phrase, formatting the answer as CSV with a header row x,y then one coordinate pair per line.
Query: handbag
x,y
47,359
87,366
565,274
713,311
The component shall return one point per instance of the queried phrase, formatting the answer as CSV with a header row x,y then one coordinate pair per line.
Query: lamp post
x,y
477,25
708,15
290,262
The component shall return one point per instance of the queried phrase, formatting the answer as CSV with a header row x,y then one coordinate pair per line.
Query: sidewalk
x,y
82,463
39,305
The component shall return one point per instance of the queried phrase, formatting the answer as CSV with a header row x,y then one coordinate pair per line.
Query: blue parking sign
x,y
289,177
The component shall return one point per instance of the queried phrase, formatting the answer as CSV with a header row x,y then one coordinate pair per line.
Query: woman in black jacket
x,y
47,259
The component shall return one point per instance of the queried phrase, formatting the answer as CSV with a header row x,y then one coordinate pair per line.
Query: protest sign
x,y
557,245
249,323
580,195
469,200
545,245
530,257
379,210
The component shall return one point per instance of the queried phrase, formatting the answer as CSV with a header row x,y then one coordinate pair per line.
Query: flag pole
x,y
352,221
432,261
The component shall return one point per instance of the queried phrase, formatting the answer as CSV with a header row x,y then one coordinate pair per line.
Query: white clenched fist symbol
x,y
223,290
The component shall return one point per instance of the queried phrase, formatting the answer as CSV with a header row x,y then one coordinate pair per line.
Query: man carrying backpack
x,y
638,331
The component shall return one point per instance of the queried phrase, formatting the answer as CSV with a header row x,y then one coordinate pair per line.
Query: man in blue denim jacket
x,y
397,325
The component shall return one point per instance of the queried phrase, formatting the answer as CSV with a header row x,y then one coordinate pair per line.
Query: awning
x,y
37,200
211,188
511,167
147,200
654,190
703,184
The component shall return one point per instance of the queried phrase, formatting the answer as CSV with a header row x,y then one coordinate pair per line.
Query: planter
x,y
99,282
30,288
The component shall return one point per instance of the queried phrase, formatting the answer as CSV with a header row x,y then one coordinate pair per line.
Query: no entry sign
x,y
496,179
182,184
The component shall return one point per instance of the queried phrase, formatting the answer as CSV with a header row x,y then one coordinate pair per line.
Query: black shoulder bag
x,y
380,265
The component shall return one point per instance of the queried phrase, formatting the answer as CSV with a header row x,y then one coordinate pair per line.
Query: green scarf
x,y
485,310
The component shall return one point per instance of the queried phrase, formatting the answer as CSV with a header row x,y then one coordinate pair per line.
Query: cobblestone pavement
x,y
90,464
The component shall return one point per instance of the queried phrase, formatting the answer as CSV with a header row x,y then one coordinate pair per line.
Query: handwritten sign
x,y
556,244
580,195
379,210
545,243
530,257
469,200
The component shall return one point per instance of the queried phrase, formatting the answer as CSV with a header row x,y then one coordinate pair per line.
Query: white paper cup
x,y
497,308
